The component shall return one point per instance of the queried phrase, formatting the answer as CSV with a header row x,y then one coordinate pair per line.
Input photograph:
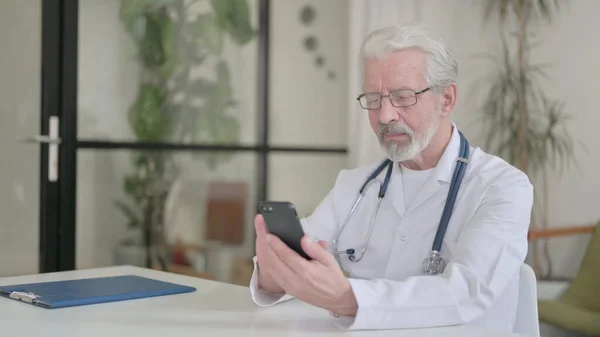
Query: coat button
x,y
403,238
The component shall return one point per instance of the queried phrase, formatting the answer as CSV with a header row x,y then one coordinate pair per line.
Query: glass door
x,y
167,108
172,135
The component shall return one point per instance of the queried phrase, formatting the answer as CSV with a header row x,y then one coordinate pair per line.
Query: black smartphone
x,y
282,221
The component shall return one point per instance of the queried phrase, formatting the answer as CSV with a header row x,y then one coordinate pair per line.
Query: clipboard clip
x,y
28,297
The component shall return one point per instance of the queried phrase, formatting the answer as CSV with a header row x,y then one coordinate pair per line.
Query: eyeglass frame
x,y
417,93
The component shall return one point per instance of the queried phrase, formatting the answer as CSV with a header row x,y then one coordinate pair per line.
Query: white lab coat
x,y
485,245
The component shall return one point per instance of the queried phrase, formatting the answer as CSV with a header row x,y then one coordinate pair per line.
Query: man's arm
x,y
488,255
320,225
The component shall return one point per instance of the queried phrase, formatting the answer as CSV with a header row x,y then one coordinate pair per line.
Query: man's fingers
x,y
280,271
287,255
260,225
317,250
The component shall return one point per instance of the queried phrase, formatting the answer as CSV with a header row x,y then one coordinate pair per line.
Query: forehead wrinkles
x,y
399,73
392,73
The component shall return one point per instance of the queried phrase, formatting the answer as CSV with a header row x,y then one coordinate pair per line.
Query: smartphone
x,y
282,221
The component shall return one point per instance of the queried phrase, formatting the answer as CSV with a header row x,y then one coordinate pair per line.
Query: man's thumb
x,y
259,224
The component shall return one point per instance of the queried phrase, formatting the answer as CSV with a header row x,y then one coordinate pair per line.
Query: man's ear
x,y
448,99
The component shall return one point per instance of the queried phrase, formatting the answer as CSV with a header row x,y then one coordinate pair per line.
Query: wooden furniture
x,y
226,215
558,232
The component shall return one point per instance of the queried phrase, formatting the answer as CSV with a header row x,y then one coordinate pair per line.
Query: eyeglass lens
x,y
398,98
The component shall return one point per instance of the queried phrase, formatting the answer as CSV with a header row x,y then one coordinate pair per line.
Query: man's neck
x,y
430,157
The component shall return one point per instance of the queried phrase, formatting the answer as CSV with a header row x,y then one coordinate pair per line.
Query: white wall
x,y
573,49
20,66
306,109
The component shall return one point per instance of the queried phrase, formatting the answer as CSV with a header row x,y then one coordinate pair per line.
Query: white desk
x,y
215,309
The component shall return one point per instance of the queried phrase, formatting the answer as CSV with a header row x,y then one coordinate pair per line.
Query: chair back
x,y
584,290
527,321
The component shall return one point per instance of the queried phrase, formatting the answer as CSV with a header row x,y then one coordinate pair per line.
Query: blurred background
x,y
145,132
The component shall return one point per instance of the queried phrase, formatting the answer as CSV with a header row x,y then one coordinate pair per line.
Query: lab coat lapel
x,y
442,174
430,187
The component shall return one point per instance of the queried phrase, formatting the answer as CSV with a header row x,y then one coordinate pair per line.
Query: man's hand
x,y
265,281
320,282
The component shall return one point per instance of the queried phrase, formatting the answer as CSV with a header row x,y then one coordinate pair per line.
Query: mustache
x,y
395,128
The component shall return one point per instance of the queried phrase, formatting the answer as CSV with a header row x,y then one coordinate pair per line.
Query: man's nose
x,y
387,113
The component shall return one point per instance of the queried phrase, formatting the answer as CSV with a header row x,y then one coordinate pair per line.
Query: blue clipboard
x,y
61,294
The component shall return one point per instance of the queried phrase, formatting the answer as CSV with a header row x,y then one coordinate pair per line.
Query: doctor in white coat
x,y
409,81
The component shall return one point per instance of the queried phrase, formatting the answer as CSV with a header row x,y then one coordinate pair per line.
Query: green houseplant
x,y
172,105
521,122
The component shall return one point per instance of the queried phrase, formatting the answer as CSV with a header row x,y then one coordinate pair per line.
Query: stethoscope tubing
x,y
457,177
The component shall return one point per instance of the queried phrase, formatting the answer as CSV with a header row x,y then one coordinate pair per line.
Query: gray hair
x,y
442,68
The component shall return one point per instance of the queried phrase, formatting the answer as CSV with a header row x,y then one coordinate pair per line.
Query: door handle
x,y
53,141
41,139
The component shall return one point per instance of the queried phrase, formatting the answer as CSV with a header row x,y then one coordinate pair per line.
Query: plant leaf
x,y
534,9
170,47
146,114
206,27
547,145
131,13
130,213
499,7
234,17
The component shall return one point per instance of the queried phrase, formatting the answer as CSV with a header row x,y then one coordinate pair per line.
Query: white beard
x,y
399,153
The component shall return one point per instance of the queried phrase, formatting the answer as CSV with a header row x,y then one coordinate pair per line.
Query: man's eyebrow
x,y
404,87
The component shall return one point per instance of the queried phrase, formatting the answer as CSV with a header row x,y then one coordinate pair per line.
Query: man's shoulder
x,y
492,170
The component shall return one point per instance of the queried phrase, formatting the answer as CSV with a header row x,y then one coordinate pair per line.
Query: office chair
x,y
527,322
578,308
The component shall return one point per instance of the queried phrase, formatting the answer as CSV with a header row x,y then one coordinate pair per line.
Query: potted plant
x,y
521,122
171,106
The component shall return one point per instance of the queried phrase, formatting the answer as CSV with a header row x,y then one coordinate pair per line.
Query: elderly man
x,y
410,94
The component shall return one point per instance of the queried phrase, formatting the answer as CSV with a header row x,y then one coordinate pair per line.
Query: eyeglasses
x,y
398,98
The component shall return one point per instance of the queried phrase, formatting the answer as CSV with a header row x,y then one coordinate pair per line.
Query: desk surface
x,y
215,309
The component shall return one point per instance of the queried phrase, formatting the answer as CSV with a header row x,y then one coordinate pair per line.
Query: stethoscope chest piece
x,y
434,264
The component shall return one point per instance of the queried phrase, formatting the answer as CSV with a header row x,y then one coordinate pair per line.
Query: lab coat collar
x,y
445,168
442,173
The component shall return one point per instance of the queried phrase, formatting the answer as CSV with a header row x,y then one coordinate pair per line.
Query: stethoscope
x,y
434,264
